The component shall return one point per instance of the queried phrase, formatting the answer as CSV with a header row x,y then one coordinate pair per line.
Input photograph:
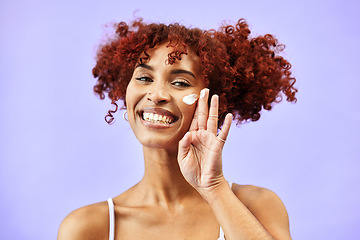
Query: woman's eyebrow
x,y
179,71
175,71
145,66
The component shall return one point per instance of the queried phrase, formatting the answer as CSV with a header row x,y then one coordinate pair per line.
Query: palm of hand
x,y
200,163
200,150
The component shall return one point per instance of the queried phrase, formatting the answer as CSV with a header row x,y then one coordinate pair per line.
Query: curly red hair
x,y
247,73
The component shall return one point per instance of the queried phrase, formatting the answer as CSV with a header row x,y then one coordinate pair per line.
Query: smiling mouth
x,y
160,117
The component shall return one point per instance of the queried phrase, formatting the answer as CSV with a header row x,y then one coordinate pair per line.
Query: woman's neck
x,y
163,181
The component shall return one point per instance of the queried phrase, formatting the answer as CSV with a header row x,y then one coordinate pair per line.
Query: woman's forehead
x,y
160,55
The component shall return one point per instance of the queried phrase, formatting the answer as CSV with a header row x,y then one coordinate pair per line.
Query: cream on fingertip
x,y
190,99
202,93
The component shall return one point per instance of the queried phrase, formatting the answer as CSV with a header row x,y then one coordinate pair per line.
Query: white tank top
x,y
112,221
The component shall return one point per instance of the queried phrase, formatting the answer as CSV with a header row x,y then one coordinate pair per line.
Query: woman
x,y
179,86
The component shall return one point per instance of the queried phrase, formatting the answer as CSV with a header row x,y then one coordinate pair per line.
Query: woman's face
x,y
154,97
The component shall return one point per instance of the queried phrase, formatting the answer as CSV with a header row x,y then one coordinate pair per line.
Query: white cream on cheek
x,y
190,99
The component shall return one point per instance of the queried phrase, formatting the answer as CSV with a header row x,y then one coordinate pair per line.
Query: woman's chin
x,y
160,142
159,136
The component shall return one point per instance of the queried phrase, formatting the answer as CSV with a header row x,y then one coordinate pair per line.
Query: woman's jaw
x,y
159,127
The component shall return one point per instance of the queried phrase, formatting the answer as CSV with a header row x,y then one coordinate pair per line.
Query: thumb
x,y
184,146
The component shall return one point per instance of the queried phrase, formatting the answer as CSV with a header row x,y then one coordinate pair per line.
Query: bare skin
x,y
183,193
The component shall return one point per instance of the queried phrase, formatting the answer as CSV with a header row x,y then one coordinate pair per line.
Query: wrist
x,y
218,190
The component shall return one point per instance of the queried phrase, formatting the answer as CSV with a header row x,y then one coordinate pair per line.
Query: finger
x,y
202,115
226,127
194,122
212,122
184,146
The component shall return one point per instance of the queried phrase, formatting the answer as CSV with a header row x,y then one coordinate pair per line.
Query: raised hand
x,y
200,150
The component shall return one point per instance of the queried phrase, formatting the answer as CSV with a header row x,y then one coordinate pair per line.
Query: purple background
x,y
58,154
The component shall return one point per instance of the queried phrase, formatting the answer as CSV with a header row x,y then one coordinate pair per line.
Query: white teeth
x,y
151,117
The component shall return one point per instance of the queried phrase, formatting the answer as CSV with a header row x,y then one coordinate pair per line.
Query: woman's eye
x,y
144,79
181,83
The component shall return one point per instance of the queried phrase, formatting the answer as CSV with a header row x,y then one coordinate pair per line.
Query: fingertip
x,y
202,93
215,97
227,121
187,134
186,140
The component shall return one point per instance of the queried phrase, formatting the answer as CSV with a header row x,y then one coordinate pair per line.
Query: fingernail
x,y
202,93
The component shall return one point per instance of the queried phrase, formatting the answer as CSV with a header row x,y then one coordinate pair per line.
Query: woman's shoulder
x,y
88,222
251,193
252,196
262,202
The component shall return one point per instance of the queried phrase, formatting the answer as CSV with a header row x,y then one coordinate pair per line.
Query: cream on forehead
x,y
190,99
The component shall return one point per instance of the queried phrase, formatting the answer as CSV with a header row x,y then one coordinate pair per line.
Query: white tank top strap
x,y
221,235
112,219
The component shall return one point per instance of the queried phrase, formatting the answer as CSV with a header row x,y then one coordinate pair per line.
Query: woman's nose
x,y
158,94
